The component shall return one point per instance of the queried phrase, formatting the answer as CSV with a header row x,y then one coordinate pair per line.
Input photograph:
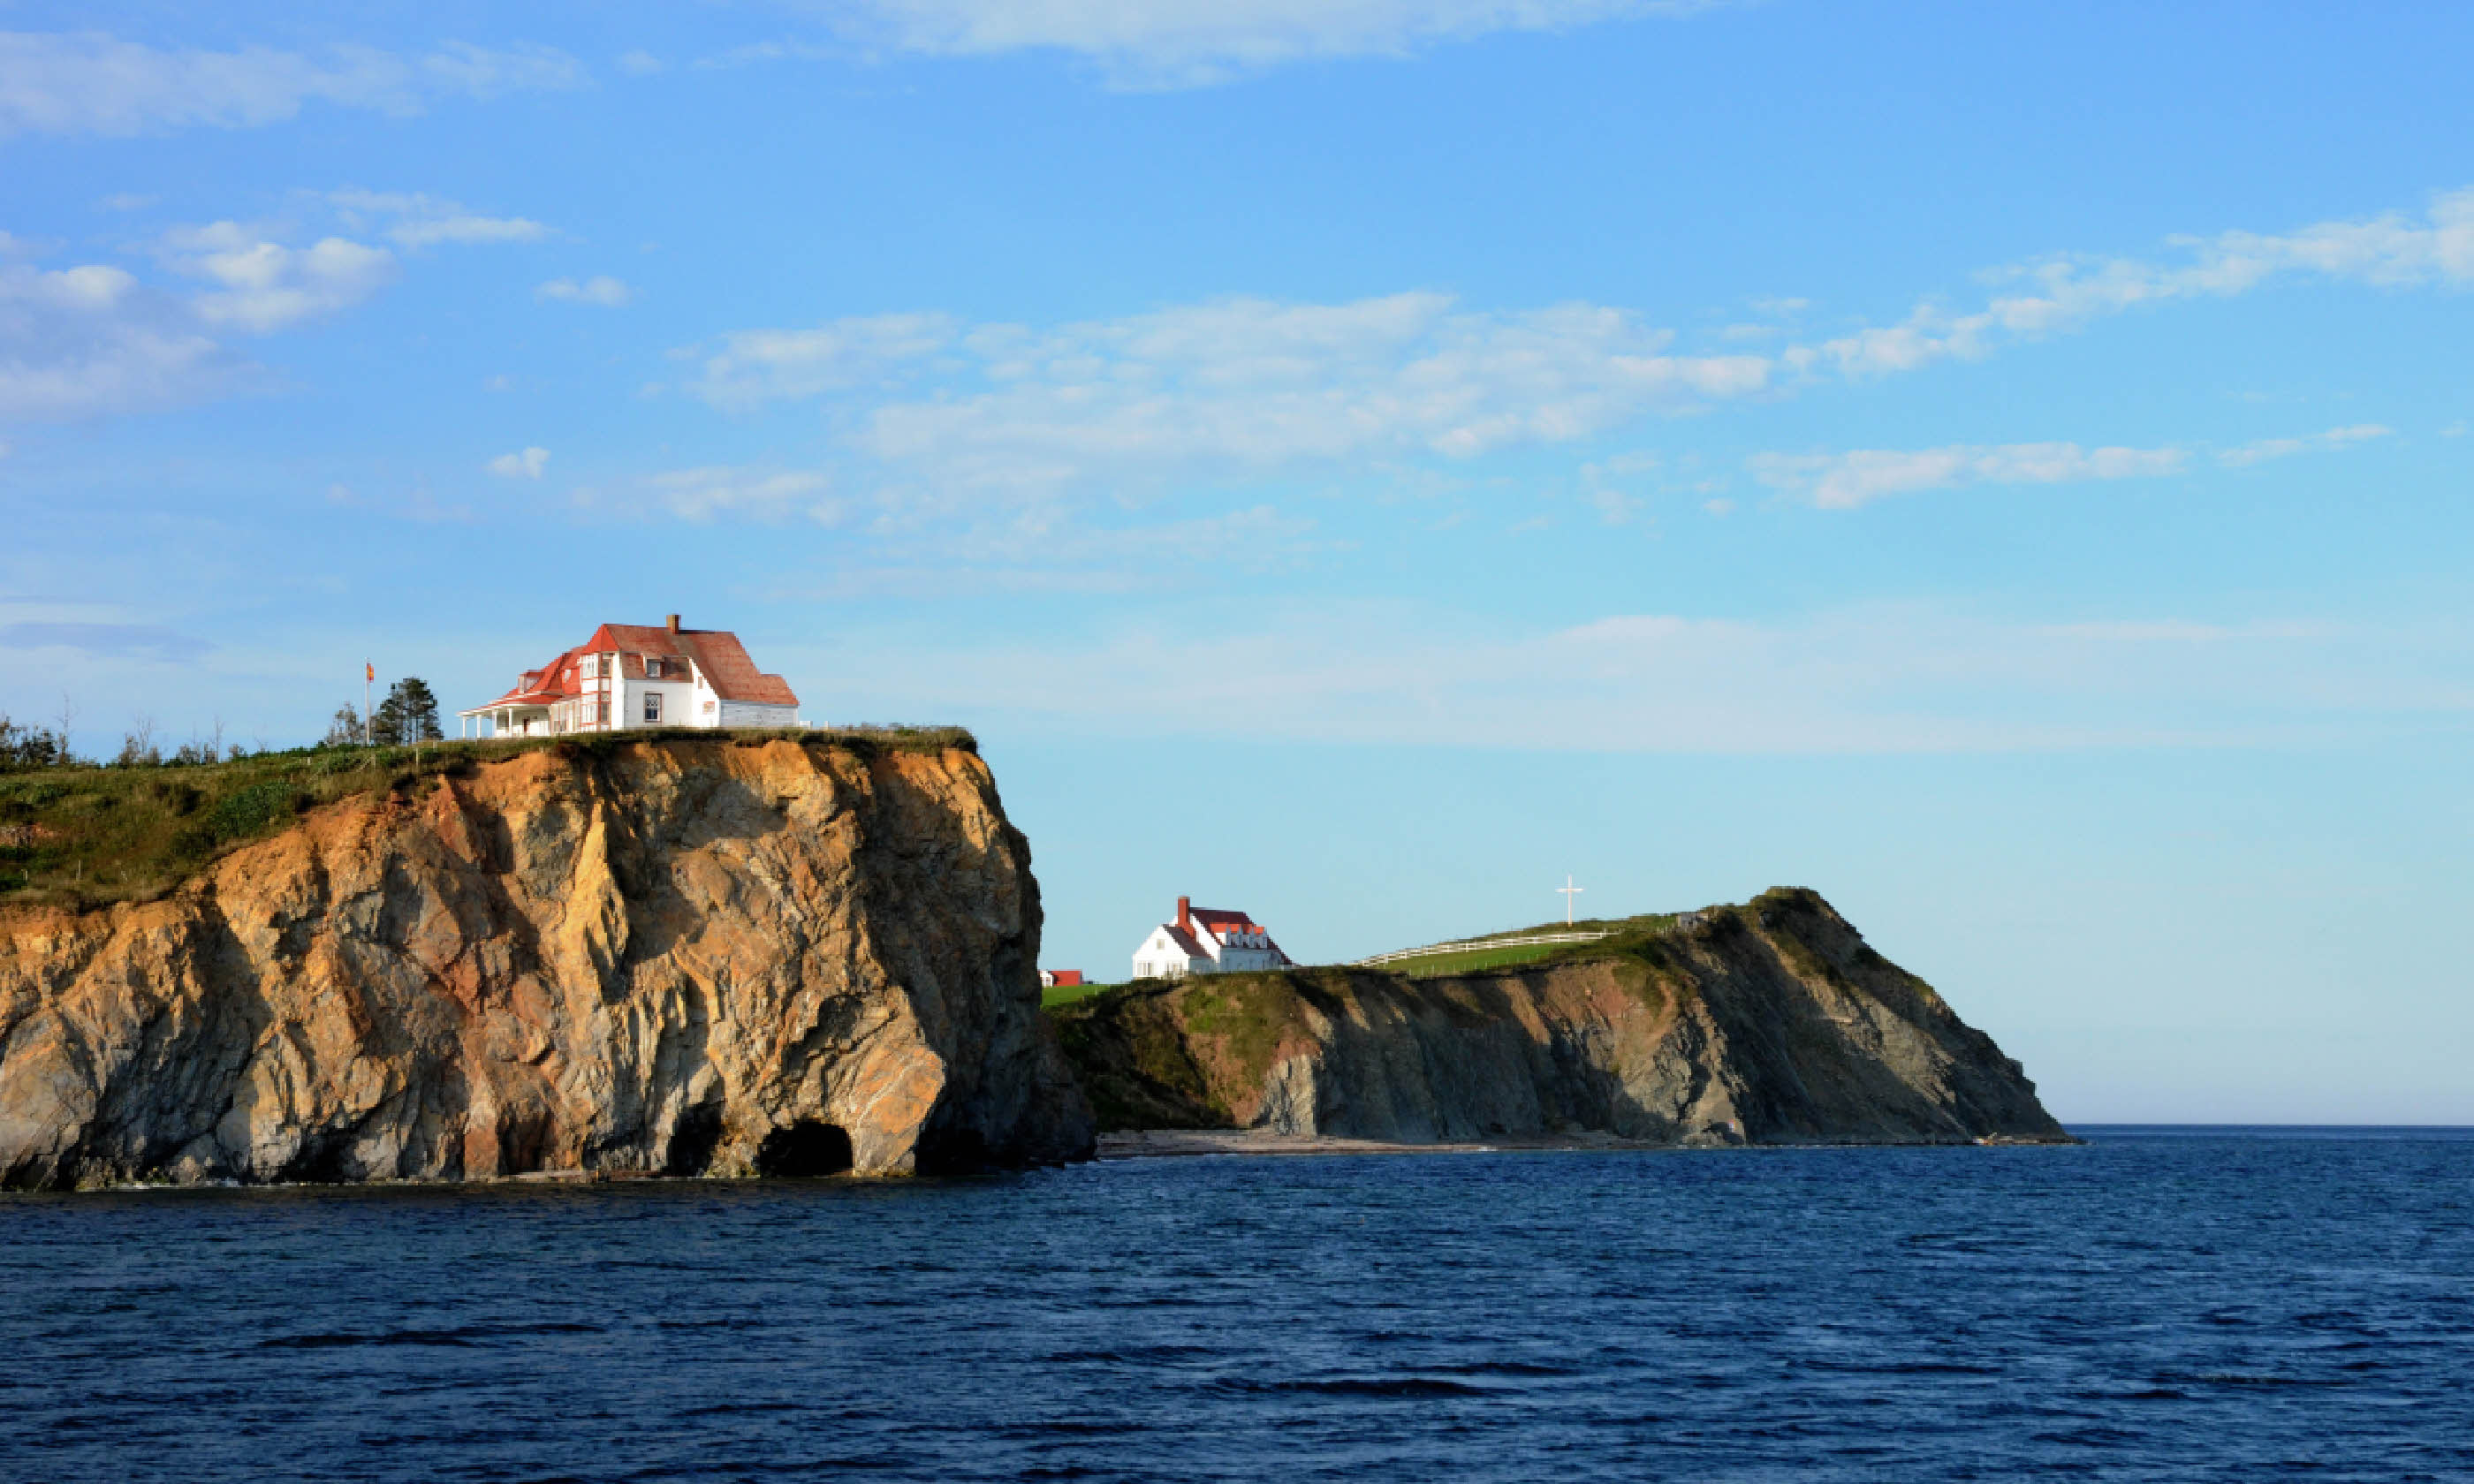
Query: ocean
x,y
2159,1304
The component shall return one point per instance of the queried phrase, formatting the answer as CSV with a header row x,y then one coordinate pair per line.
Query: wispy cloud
x,y
605,290
92,339
1245,388
2066,293
1166,45
522,463
118,641
412,220
1902,679
81,341
716,491
1050,550
1238,385
263,285
746,368
90,82
2333,440
1859,476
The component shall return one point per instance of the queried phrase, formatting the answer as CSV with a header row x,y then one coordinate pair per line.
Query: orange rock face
x,y
683,957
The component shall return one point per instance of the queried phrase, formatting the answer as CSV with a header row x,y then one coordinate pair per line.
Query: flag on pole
x,y
369,672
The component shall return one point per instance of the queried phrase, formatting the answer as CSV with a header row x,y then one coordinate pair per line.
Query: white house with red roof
x,y
1206,941
634,676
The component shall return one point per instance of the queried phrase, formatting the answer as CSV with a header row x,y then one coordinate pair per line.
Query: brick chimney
x,y
1185,913
674,623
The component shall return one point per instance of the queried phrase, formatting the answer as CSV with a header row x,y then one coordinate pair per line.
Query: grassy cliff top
x,y
1506,949
1630,937
85,836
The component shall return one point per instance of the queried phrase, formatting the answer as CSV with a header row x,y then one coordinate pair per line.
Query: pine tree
x,y
408,714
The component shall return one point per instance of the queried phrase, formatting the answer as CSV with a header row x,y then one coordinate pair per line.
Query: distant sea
x,y
2162,1303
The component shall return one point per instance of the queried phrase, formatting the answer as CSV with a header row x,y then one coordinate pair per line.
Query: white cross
x,y
1567,891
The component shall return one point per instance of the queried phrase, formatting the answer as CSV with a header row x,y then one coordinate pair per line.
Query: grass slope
x,y
1068,993
87,837
1472,955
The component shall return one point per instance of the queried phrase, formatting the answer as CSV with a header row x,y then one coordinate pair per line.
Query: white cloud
x,y
89,82
604,289
641,63
1185,44
2330,442
82,341
266,285
91,340
523,463
748,368
1844,481
758,52
715,491
481,72
2066,293
1245,389
1241,385
2174,630
1048,550
418,221
1874,679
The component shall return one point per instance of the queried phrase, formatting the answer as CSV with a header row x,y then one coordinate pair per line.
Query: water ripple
x,y
2160,1305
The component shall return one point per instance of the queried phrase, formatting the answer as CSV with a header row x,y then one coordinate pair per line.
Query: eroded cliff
x,y
674,957
1771,1023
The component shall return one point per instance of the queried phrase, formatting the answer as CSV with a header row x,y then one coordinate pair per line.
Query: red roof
x,y
720,662
720,659
1220,924
1220,921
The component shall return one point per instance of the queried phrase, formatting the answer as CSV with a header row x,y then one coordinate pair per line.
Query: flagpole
x,y
369,673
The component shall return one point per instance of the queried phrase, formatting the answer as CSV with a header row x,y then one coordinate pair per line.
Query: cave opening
x,y
692,1141
806,1149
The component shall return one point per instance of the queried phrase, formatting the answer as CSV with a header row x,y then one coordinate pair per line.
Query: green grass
x,y
1066,994
1470,961
1475,957
87,837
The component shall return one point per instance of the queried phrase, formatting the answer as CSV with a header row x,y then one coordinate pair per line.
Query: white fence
x,y
1476,945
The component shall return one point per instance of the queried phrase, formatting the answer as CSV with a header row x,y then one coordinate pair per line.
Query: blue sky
x,y
1356,461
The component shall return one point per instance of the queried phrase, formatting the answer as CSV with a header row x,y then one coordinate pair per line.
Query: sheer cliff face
x,y
662,957
1766,1023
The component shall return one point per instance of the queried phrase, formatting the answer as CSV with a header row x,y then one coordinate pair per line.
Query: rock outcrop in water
x,y
668,956
1772,1023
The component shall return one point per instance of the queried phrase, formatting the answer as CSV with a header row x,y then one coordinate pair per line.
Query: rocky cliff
x,y
675,956
1771,1023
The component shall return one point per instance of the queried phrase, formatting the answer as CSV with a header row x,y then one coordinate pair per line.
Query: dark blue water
x,y
2165,1305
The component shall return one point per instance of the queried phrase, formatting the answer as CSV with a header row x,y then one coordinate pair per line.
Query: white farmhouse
x,y
632,676
1202,940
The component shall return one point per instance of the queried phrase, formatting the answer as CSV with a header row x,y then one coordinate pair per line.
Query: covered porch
x,y
507,719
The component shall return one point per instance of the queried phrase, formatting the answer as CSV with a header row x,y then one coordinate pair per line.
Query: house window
x,y
652,707
601,713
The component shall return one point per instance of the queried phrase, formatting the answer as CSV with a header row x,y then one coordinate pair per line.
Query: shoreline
x,y
1187,1144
